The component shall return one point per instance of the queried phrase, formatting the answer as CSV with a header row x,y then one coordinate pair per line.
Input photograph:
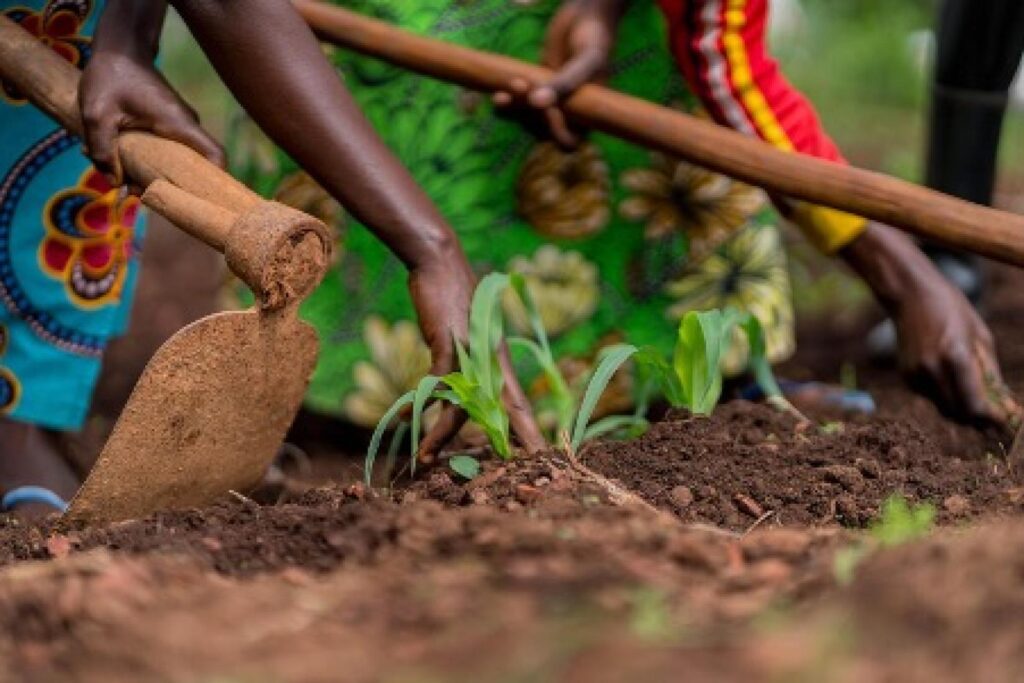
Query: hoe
x,y
915,209
213,405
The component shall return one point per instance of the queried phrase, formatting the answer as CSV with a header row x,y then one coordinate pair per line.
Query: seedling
x,y
476,387
703,340
694,379
540,348
899,523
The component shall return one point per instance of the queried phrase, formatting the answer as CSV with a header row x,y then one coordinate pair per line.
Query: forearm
x,y
890,263
273,64
132,28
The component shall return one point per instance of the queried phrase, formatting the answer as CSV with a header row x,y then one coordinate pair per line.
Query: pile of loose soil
x,y
748,460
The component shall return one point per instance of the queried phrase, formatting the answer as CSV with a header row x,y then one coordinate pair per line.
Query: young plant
x,y
572,423
900,522
610,360
540,348
476,387
703,340
694,378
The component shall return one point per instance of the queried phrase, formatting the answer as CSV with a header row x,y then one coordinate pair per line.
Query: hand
x,y
946,350
441,293
119,93
578,46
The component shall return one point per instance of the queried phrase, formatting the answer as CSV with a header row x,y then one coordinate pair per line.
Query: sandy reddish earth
x,y
704,550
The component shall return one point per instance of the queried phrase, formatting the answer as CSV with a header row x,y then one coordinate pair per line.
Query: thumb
x,y
585,66
100,133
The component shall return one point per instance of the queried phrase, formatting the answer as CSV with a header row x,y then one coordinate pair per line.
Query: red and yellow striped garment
x,y
720,47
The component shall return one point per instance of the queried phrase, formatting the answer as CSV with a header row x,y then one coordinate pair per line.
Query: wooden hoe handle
x,y
915,209
279,252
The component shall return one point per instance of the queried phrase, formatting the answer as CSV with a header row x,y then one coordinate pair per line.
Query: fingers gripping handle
x,y
280,253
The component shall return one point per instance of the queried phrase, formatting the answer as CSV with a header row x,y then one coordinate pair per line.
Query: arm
x,y
946,349
120,90
273,64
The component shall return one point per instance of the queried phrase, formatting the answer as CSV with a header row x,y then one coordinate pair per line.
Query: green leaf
x,y
650,361
465,466
532,312
396,443
612,359
485,329
378,433
424,390
632,425
465,363
487,411
902,522
702,341
561,395
758,358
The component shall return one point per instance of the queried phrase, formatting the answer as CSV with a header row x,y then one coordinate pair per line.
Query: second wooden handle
x,y
923,212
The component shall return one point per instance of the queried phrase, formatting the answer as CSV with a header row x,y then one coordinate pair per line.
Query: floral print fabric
x,y
616,243
67,242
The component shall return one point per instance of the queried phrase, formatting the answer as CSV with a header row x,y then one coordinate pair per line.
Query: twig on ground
x,y
760,520
243,499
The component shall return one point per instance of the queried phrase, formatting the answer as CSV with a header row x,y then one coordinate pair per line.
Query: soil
x,y
707,546
748,460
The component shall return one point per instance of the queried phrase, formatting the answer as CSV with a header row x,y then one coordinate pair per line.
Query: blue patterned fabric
x,y
68,242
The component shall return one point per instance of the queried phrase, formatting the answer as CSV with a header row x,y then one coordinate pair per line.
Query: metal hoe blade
x,y
207,416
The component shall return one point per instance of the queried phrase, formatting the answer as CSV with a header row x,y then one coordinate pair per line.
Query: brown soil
x,y
707,546
748,460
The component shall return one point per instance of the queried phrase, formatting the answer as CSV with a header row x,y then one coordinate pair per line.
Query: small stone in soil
x,y
527,494
848,477
748,505
956,505
869,467
682,497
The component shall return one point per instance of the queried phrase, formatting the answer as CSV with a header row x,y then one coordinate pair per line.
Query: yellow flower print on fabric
x,y
399,360
564,287
565,194
748,273
675,196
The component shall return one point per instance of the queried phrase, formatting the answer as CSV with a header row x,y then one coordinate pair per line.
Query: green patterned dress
x,y
616,242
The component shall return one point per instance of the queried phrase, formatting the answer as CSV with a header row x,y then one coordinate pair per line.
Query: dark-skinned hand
x,y
578,48
441,295
120,93
267,55
946,350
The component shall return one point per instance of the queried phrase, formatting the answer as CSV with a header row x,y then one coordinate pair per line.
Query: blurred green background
x,y
862,62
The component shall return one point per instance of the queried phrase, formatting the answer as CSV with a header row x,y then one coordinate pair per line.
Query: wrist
x,y
891,265
130,29
436,247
